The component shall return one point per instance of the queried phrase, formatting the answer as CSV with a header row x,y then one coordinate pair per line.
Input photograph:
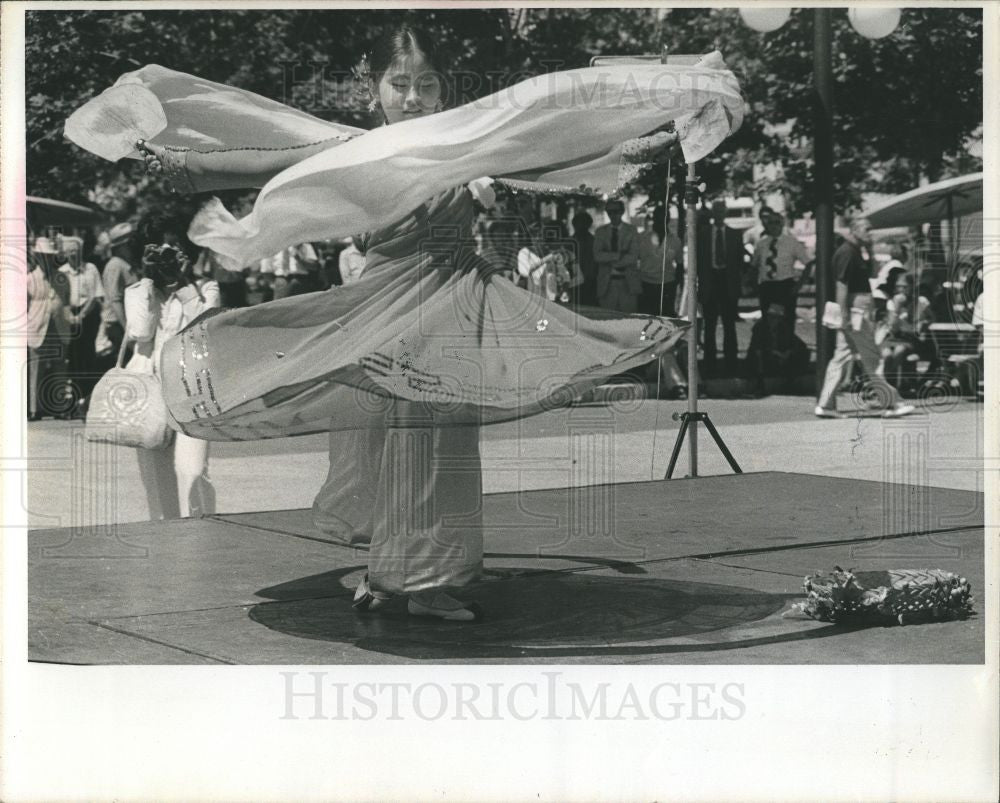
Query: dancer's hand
x,y
660,144
152,155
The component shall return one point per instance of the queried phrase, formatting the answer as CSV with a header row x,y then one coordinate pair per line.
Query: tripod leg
x,y
677,447
722,446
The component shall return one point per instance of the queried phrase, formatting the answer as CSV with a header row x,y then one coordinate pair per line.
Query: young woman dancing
x,y
430,343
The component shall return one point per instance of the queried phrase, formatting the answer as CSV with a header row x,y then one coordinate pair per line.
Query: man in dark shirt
x,y
851,265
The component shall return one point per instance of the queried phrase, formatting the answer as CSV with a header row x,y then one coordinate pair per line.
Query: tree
x,y
905,105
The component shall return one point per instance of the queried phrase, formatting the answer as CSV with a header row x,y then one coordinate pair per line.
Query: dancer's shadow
x,y
535,614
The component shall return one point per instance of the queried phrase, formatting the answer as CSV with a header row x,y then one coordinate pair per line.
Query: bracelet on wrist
x,y
174,162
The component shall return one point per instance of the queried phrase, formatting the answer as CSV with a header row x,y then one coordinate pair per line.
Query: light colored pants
x,y
345,505
416,494
176,479
855,342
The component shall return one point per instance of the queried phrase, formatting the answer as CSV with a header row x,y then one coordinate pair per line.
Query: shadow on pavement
x,y
532,614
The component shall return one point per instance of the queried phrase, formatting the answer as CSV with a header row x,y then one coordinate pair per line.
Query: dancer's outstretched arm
x,y
192,171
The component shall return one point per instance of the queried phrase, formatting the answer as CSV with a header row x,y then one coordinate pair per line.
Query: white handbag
x,y
127,409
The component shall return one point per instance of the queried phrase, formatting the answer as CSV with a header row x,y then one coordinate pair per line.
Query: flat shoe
x,y
441,606
367,600
899,411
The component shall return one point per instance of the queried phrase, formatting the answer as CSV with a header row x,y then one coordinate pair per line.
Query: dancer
x,y
429,343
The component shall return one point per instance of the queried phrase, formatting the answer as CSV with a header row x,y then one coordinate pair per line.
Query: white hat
x,y
67,243
119,233
43,245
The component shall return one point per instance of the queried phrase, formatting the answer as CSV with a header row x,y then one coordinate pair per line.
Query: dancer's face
x,y
409,89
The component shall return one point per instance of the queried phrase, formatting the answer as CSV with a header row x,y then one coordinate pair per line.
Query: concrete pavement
x,y
683,571
73,483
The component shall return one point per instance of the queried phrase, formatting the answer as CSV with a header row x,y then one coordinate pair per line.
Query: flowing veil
x,y
563,130
429,335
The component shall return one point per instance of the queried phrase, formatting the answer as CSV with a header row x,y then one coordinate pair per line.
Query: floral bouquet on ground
x,y
903,595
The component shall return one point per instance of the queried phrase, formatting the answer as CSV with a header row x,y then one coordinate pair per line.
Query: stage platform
x,y
684,571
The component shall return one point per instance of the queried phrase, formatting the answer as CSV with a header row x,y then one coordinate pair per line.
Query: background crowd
x,y
571,250
582,254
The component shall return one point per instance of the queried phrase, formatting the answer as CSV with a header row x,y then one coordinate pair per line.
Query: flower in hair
x,y
364,84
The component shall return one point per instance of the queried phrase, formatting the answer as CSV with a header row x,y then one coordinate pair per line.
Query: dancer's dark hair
x,y
407,40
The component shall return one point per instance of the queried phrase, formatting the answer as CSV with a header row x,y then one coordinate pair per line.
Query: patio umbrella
x,y
44,212
943,200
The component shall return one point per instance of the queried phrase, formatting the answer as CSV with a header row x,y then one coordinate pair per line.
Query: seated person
x,y
906,323
775,350
884,290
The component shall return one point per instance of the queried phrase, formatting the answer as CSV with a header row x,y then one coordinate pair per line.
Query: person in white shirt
x,y
752,235
658,272
547,265
288,264
351,263
775,257
165,300
86,295
47,333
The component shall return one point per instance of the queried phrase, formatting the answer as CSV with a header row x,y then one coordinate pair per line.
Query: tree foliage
x,y
905,104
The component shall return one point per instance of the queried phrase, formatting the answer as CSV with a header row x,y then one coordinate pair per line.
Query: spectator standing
x,y
774,260
547,266
258,290
351,263
86,294
304,271
851,264
232,283
616,252
660,261
118,274
500,247
587,292
721,261
752,235
284,267
165,300
47,329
